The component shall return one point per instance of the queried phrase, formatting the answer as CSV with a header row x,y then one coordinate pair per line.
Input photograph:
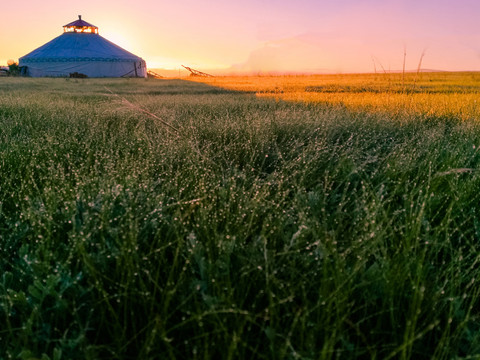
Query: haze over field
x,y
268,36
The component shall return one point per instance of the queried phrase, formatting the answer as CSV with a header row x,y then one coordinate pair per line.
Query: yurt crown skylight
x,y
80,26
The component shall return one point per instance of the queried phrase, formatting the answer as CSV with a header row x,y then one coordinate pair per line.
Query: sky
x,y
263,36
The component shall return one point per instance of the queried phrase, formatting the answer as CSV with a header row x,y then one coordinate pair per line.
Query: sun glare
x,y
121,39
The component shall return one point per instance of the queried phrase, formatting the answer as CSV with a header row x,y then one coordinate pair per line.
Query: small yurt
x,y
81,51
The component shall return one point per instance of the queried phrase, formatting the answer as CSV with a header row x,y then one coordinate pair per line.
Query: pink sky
x,y
261,36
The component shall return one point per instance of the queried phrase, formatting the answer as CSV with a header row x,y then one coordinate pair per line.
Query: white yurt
x,y
81,51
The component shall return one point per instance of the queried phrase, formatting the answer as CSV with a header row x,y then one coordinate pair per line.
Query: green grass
x,y
261,229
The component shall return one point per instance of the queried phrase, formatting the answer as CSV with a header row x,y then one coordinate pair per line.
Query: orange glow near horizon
x,y
251,37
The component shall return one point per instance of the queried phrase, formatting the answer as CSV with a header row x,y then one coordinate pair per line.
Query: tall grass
x,y
263,229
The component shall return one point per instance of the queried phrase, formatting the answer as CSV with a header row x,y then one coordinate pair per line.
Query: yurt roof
x,y
79,23
72,46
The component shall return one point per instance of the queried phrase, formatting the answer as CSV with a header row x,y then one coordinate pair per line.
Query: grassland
x,y
267,218
400,95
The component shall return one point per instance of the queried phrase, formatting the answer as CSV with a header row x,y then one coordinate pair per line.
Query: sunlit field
x,y
401,95
322,217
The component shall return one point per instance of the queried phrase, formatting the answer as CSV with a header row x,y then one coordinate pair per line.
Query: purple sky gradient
x,y
264,35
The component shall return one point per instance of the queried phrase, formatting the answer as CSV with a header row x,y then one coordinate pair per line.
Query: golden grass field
x,y
410,94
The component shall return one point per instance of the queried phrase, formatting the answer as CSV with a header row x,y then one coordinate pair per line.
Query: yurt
x,y
81,51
